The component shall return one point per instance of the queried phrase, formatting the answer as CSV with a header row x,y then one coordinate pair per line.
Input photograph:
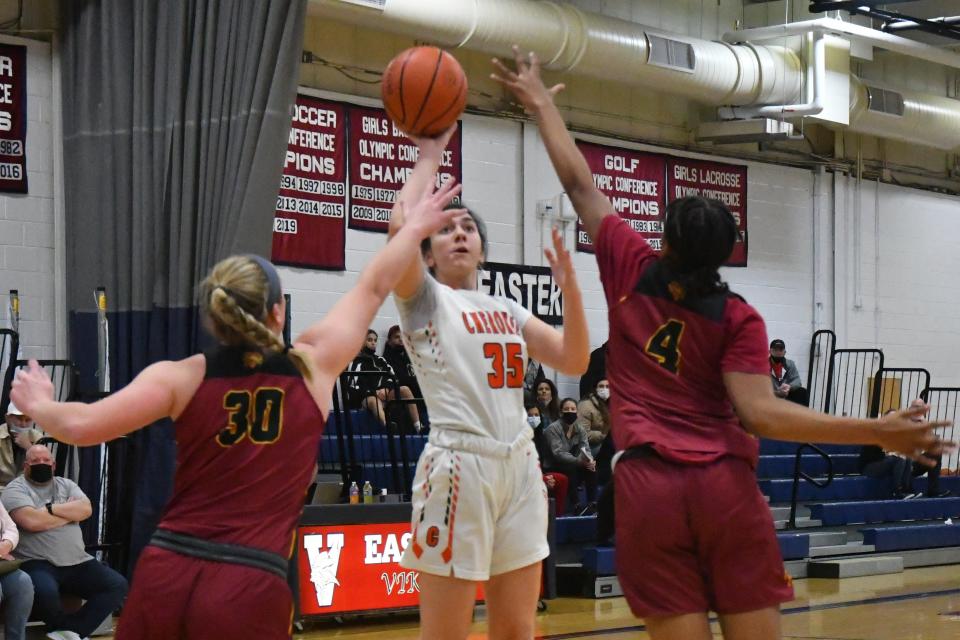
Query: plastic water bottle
x,y
367,493
383,495
354,493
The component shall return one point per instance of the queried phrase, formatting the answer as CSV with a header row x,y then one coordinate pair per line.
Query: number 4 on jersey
x,y
664,345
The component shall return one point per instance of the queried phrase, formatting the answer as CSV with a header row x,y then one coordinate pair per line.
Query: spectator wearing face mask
x,y
17,435
784,375
373,392
556,482
48,511
594,412
569,453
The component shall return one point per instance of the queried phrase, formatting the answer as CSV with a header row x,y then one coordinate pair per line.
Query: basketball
x,y
424,91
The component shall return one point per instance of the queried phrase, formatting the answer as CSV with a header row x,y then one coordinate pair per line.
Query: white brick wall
x,y
506,171
27,221
910,293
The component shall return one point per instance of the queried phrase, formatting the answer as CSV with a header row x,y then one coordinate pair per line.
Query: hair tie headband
x,y
273,279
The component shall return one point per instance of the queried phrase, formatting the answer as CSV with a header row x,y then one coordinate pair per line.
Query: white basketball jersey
x,y
469,355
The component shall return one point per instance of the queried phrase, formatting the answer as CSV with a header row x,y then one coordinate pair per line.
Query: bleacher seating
x,y
846,488
923,536
781,466
834,514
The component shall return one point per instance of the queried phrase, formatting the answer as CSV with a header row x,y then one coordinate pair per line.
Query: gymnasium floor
x,y
919,603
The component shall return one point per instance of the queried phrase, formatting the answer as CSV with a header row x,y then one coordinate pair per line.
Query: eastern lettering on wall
x,y
308,227
13,118
531,287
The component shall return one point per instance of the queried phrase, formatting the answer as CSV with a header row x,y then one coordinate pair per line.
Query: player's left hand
x,y
31,386
560,262
525,82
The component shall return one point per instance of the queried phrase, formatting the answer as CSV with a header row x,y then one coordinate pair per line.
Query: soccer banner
x,y
13,118
308,227
635,183
381,158
724,182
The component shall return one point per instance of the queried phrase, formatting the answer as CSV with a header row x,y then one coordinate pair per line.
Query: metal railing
x,y
822,346
896,388
944,404
798,473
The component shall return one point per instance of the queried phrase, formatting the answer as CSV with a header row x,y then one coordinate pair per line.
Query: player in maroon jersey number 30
x,y
248,416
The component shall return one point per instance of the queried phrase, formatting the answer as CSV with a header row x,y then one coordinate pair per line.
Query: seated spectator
x,y
596,370
785,376
48,510
531,378
876,463
16,588
594,413
17,435
372,392
932,473
399,360
556,482
569,453
548,401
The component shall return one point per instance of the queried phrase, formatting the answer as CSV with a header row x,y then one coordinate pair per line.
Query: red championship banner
x,y
381,158
634,182
355,567
13,118
308,228
724,182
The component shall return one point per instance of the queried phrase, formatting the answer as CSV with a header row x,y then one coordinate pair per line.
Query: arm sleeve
x,y
622,254
417,310
793,374
746,350
8,529
555,440
74,492
14,497
520,313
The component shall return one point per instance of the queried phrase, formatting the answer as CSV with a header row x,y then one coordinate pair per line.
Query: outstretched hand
x,y
31,385
906,432
525,83
428,215
561,264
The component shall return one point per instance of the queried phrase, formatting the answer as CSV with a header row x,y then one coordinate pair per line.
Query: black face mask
x,y
569,417
779,359
41,473
367,350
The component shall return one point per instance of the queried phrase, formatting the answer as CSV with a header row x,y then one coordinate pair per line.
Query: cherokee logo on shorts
x,y
433,536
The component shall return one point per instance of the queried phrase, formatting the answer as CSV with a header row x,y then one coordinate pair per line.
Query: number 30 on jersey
x,y
664,345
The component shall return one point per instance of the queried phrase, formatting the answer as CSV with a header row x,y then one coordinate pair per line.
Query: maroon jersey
x,y
246,452
667,354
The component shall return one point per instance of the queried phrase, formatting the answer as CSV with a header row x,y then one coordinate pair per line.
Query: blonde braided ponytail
x,y
234,298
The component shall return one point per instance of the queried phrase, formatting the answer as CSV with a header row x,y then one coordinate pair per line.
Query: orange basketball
x,y
424,91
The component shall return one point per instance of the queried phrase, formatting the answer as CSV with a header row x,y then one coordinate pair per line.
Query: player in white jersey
x,y
479,501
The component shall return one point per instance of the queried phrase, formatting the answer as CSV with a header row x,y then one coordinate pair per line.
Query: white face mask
x,y
603,394
533,421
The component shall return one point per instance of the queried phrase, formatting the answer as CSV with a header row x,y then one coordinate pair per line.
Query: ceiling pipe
x,y
816,76
849,30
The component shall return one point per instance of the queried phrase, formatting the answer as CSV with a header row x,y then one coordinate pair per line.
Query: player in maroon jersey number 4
x,y
688,365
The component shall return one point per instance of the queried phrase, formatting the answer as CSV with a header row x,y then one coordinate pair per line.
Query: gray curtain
x,y
176,116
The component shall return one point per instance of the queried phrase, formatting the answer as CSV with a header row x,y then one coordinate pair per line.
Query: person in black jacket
x,y
372,391
874,462
596,370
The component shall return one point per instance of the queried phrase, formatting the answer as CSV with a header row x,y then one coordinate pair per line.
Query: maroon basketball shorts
x,y
695,538
176,596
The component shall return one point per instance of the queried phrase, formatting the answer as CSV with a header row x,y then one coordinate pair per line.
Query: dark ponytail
x,y
700,234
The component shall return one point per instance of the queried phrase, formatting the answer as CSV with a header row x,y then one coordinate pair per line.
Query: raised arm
x,y
151,396
765,415
335,340
419,184
571,167
569,350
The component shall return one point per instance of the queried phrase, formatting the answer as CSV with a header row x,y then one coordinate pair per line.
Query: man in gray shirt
x,y
48,510
784,375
